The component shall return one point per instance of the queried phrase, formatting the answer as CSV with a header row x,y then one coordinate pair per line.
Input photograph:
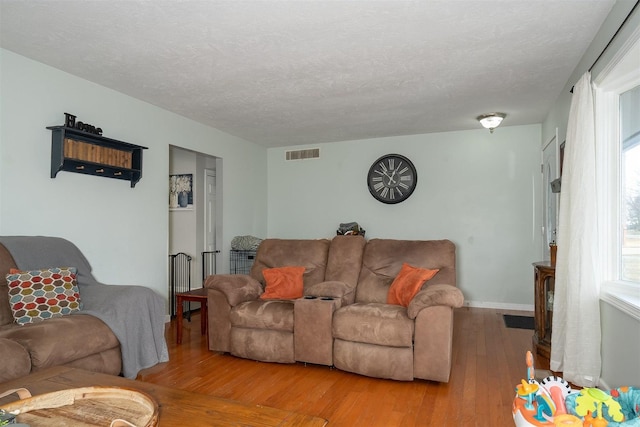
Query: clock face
x,y
392,178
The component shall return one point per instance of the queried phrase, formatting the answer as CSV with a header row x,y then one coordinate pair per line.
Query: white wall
x,y
122,231
558,116
479,190
620,347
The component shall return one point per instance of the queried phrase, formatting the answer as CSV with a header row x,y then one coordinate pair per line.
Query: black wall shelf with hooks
x,y
74,150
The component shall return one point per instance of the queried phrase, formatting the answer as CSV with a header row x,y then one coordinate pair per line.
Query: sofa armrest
x,y
433,343
439,294
16,361
335,289
236,288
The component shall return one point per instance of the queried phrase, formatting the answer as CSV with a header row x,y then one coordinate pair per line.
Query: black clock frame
x,y
372,186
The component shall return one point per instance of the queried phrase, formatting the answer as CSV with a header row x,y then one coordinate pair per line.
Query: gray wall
x,y
478,189
124,232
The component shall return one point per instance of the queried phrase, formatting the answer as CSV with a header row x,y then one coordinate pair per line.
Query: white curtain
x,y
575,342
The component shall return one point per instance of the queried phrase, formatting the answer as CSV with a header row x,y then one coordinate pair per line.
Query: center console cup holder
x,y
320,298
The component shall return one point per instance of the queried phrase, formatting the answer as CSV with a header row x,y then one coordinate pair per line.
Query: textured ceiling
x,y
283,73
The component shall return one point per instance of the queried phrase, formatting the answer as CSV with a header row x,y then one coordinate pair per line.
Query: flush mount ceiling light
x,y
491,121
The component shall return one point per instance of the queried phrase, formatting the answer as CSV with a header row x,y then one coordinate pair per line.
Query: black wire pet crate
x,y
241,261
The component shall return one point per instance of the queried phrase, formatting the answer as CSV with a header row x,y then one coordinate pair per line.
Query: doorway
x,y
195,229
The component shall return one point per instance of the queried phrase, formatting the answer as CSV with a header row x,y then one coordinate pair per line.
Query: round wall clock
x,y
392,178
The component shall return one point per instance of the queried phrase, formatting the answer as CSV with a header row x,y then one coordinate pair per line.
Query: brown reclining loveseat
x,y
343,318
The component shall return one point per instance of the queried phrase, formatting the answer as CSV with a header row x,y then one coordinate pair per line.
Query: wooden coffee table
x,y
177,407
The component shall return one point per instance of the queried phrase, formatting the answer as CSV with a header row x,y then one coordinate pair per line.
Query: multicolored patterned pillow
x,y
38,295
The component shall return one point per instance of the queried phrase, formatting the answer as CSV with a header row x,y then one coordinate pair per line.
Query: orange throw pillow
x,y
283,283
407,284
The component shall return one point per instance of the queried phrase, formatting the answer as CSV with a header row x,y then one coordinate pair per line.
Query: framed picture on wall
x,y
181,192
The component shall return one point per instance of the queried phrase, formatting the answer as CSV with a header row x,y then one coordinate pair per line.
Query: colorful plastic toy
x,y
534,404
567,420
590,401
559,389
553,403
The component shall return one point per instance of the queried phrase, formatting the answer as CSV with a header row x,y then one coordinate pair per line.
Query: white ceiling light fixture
x,y
491,121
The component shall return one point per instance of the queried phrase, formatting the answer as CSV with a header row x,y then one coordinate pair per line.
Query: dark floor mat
x,y
519,322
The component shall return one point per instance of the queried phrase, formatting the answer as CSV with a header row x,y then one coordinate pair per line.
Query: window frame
x,y
620,75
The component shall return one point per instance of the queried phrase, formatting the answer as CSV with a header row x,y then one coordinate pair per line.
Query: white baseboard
x,y
499,305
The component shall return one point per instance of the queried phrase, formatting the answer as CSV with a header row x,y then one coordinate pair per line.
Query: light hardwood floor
x,y
488,361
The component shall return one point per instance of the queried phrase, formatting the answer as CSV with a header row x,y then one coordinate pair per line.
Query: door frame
x,y
547,194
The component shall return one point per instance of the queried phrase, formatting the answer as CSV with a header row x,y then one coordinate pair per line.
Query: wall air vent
x,y
311,153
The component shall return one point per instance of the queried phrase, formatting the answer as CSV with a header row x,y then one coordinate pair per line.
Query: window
x,y
617,116
629,268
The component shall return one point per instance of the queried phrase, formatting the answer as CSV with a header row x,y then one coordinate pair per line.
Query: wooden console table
x,y
196,295
544,281
177,407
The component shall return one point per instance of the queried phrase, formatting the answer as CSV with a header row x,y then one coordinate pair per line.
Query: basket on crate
x,y
243,252
350,229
